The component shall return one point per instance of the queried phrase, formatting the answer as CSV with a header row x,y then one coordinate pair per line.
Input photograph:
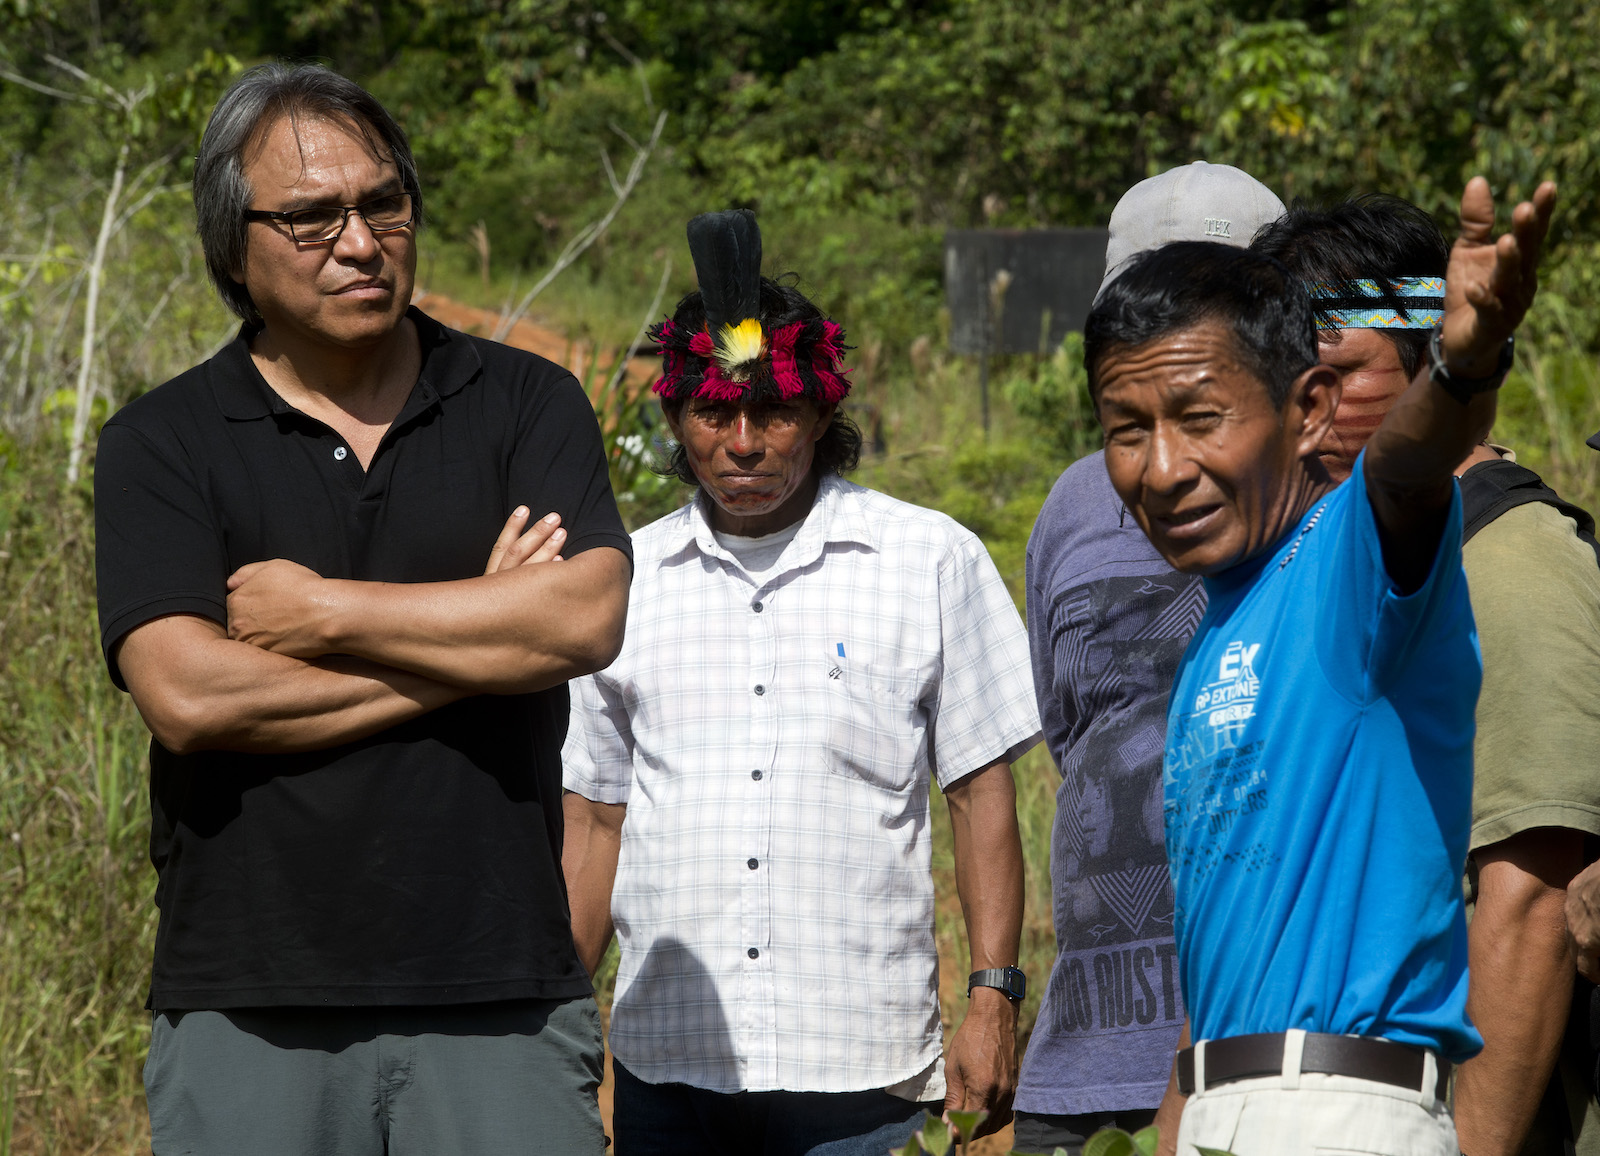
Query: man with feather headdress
x,y
749,780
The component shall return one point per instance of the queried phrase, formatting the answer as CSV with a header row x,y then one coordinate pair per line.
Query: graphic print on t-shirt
x,y
1224,779
1120,639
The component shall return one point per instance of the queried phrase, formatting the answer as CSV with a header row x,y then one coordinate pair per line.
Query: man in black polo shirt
x,y
364,943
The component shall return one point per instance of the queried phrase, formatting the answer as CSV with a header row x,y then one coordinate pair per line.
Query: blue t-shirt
x,y
1318,790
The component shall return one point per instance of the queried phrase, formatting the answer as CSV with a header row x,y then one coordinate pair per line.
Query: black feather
x,y
726,248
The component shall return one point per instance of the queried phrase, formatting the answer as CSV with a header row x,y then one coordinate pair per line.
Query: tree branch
x,y
586,236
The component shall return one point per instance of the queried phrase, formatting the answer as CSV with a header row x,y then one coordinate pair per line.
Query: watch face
x,y
1016,983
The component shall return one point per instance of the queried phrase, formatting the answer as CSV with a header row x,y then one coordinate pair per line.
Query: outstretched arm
x,y
1410,460
981,1069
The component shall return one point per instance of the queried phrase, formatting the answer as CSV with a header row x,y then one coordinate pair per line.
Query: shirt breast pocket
x,y
873,729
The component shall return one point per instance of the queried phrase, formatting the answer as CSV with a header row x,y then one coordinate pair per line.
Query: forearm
x,y
1520,962
1410,467
1416,449
1170,1114
987,848
511,632
589,853
208,692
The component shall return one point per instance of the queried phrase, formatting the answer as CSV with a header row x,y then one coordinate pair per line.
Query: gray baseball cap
x,y
1194,202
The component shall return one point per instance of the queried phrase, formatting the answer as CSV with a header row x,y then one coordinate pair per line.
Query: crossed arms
x,y
309,662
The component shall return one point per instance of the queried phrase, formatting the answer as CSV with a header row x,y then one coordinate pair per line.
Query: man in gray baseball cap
x,y
1108,620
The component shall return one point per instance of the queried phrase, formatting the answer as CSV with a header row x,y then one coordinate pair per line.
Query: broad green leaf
x,y
1145,1140
1109,1142
935,1136
912,1148
965,1122
1212,1151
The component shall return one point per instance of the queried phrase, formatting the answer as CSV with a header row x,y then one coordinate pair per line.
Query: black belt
x,y
1360,1057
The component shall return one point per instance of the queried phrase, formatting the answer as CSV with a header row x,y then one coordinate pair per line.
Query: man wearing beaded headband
x,y
1375,268
749,780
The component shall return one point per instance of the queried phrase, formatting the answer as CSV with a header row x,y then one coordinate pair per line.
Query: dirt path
x,y
535,338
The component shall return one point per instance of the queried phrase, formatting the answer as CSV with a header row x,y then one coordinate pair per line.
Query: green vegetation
x,y
860,131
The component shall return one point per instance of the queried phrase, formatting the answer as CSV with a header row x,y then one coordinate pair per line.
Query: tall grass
x,y
75,898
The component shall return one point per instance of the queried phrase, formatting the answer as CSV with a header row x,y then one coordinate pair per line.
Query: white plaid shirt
x,y
773,743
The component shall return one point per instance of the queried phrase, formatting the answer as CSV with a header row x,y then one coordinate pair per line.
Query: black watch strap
x,y
1463,389
1009,980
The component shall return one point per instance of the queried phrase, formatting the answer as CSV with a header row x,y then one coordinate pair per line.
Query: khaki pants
x,y
1311,1114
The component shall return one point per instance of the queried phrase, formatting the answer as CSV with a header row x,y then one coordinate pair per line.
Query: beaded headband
x,y
1365,303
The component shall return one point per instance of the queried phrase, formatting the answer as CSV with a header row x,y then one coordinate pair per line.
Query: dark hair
x,y
261,95
1187,283
838,451
1374,237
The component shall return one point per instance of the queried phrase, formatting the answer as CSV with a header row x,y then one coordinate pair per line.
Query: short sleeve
x,y
597,760
1536,596
158,550
559,463
1367,631
986,708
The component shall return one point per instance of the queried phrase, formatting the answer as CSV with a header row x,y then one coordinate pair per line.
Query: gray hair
x,y
221,192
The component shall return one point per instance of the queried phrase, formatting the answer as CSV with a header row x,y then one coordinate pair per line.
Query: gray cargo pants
x,y
502,1079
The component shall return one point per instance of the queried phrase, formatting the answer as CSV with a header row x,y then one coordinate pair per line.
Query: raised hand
x,y
1491,280
540,542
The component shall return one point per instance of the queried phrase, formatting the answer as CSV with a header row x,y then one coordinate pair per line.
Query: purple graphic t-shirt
x,y
1108,621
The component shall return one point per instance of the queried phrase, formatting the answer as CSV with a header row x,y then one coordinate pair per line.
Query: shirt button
x,y
760,689
752,864
340,454
753,953
756,775
756,606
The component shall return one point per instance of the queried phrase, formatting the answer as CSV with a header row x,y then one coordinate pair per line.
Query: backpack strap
x,y
1489,489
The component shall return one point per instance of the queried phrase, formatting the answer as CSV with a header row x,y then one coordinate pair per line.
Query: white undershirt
x,y
758,555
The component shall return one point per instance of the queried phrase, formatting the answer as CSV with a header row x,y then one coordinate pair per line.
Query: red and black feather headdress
x,y
734,357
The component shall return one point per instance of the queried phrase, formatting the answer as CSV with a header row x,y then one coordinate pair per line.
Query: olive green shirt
x,y
1535,592
1536,596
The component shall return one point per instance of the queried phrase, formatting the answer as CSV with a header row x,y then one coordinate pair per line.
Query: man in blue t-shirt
x,y
1318,764
1108,621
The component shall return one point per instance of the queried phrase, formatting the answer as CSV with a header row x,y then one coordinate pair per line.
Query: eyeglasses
x,y
326,222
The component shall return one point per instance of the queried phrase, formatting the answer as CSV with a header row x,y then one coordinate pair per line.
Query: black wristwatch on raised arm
x,y
1463,389
1010,980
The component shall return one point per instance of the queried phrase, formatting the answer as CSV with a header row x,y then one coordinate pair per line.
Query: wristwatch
x,y
1464,388
1010,980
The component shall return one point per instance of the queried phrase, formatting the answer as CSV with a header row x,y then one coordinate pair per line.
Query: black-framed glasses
x,y
326,222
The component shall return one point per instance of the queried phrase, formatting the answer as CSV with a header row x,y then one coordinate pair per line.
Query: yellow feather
x,y
741,344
